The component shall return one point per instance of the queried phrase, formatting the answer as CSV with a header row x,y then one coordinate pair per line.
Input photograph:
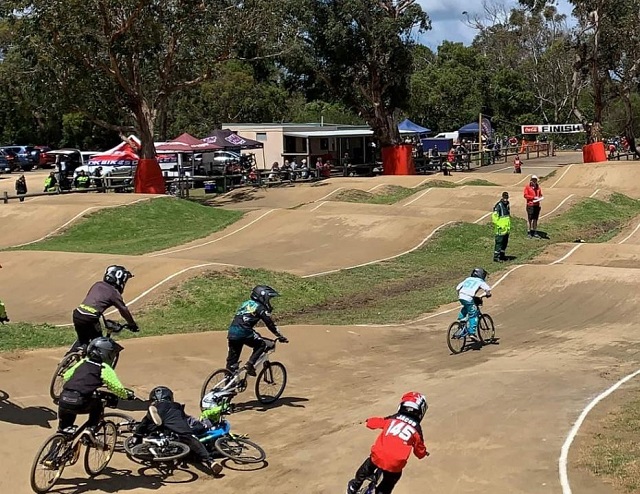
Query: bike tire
x,y
234,448
487,328
55,388
456,344
125,424
106,436
370,483
173,451
216,380
57,440
268,388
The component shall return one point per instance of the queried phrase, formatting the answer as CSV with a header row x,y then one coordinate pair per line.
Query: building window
x,y
324,144
261,136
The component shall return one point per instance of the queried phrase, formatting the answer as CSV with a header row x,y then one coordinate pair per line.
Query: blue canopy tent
x,y
407,126
472,128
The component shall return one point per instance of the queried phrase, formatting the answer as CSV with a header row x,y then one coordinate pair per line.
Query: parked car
x,y
28,156
46,160
5,166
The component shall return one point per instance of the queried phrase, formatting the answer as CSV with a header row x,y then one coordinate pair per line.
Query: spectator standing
x,y
50,183
346,163
501,218
533,196
97,178
3,311
21,187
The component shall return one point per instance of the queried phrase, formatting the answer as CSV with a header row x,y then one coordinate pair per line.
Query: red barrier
x,y
149,179
398,160
594,153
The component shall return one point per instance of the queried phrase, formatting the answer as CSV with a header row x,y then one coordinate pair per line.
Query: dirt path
x,y
497,416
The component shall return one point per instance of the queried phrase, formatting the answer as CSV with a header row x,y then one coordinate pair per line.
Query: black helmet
x,y
103,350
413,405
117,276
479,273
263,294
161,393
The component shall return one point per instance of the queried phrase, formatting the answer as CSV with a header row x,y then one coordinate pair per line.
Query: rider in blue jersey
x,y
241,331
467,290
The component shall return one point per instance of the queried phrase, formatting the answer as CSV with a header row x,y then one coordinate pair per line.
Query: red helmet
x,y
414,405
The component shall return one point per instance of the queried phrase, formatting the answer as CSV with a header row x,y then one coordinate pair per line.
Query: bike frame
x,y
240,375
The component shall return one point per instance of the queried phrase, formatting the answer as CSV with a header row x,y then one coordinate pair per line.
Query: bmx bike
x,y
458,332
69,360
63,449
270,381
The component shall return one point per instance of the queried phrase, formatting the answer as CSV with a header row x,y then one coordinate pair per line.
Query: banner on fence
x,y
552,129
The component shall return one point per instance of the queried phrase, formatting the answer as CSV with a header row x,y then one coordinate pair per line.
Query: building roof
x,y
331,133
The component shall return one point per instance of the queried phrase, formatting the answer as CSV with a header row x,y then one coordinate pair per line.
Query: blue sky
x,y
448,22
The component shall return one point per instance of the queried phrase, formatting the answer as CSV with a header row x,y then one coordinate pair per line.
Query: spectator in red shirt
x,y
533,195
401,435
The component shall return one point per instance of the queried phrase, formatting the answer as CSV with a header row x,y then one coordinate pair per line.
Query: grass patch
x,y
614,453
391,194
479,182
548,176
140,228
391,291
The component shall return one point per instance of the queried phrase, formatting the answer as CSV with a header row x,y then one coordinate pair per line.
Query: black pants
x,y
235,350
67,414
501,246
87,328
389,479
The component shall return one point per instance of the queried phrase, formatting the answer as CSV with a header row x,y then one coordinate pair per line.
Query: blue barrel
x,y
209,187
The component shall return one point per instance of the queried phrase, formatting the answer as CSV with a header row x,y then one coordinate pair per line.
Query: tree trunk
x,y
145,122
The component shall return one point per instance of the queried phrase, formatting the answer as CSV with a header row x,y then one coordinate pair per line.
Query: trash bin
x,y
210,188
221,184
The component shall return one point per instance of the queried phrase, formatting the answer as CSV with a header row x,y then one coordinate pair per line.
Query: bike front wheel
x,y
49,463
125,424
172,451
239,449
99,452
216,381
487,329
57,381
271,382
456,339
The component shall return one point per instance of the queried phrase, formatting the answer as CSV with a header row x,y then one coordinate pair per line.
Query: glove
x,y
130,395
488,295
283,339
133,328
133,440
111,400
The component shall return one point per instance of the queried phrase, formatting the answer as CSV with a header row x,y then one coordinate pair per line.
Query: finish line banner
x,y
552,129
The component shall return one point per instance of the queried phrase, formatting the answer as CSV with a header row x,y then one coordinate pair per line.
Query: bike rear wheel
x,y
98,454
125,424
271,382
55,388
239,449
456,340
370,484
487,329
147,452
217,380
44,476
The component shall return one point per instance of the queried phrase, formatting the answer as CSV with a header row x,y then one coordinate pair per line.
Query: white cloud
x,y
448,23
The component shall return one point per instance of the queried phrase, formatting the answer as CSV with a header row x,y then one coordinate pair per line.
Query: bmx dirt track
x,y
497,419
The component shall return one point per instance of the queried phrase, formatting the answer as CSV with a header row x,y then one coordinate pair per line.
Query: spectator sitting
x,y
81,181
285,171
325,170
305,171
253,175
294,169
275,171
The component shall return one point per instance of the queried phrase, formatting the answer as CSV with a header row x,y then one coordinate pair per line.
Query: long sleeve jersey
x,y
399,437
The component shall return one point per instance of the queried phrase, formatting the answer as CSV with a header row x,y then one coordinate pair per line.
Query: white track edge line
x,y
594,193
433,232
329,194
318,206
558,206
158,254
566,446
483,217
561,176
566,256
630,235
420,196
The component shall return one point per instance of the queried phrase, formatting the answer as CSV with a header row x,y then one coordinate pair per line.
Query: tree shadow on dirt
x,y
118,480
256,406
15,414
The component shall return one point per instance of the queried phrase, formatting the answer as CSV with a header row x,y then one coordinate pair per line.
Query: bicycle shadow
x,y
256,406
15,414
476,346
117,480
137,405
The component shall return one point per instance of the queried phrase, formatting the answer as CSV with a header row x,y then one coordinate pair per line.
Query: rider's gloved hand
x,y
130,395
133,328
488,295
283,339
135,439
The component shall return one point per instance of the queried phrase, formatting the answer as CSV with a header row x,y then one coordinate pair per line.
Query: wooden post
x,y
5,197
